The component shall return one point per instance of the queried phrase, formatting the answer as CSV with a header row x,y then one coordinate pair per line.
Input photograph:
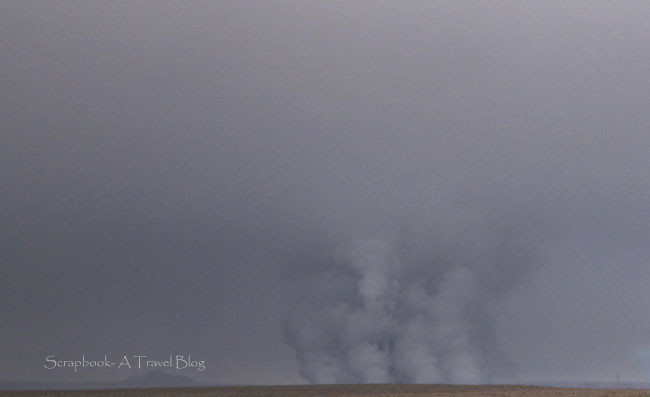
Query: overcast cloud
x,y
172,174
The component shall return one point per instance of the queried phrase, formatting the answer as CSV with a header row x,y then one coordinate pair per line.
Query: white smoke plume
x,y
410,309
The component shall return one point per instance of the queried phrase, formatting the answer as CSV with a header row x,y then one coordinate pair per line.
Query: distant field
x,y
344,391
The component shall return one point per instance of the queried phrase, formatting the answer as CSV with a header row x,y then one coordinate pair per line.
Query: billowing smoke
x,y
407,307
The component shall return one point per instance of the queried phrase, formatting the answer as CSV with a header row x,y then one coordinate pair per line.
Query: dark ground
x,y
344,391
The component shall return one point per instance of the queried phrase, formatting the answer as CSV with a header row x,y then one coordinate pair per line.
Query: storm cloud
x,y
326,191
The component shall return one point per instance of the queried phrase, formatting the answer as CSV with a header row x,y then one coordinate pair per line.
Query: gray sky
x,y
168,168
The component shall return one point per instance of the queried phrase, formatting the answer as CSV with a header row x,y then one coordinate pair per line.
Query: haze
x,y
189,177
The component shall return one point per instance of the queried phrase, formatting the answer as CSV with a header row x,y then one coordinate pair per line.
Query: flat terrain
x,y
344,391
